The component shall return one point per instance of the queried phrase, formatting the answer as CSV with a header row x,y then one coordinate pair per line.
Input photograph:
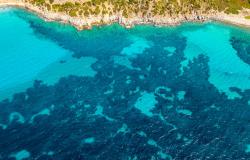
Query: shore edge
x,y
88,23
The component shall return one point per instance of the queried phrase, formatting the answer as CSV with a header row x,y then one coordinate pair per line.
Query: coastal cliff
x,y
83,14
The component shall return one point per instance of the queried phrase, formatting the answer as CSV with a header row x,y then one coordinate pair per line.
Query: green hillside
x,y
141,7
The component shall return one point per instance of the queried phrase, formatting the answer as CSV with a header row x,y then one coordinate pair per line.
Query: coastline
x,y
88,22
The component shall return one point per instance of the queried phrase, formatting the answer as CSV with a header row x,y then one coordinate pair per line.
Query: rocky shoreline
x,y
87,23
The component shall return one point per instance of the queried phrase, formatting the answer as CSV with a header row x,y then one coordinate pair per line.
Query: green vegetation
x,y
142,7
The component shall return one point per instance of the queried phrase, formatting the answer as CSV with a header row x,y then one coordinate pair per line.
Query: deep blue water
x,y
145,93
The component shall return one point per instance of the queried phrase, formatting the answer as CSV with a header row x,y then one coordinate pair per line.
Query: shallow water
x,y
110,93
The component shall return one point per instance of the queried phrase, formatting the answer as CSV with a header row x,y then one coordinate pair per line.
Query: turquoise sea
x,y
145,93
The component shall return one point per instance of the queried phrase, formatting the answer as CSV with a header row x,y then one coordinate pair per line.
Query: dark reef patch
x,y
95,117
242,47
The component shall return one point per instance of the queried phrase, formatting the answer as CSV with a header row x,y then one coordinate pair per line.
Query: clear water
x,y
111,93
26,57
